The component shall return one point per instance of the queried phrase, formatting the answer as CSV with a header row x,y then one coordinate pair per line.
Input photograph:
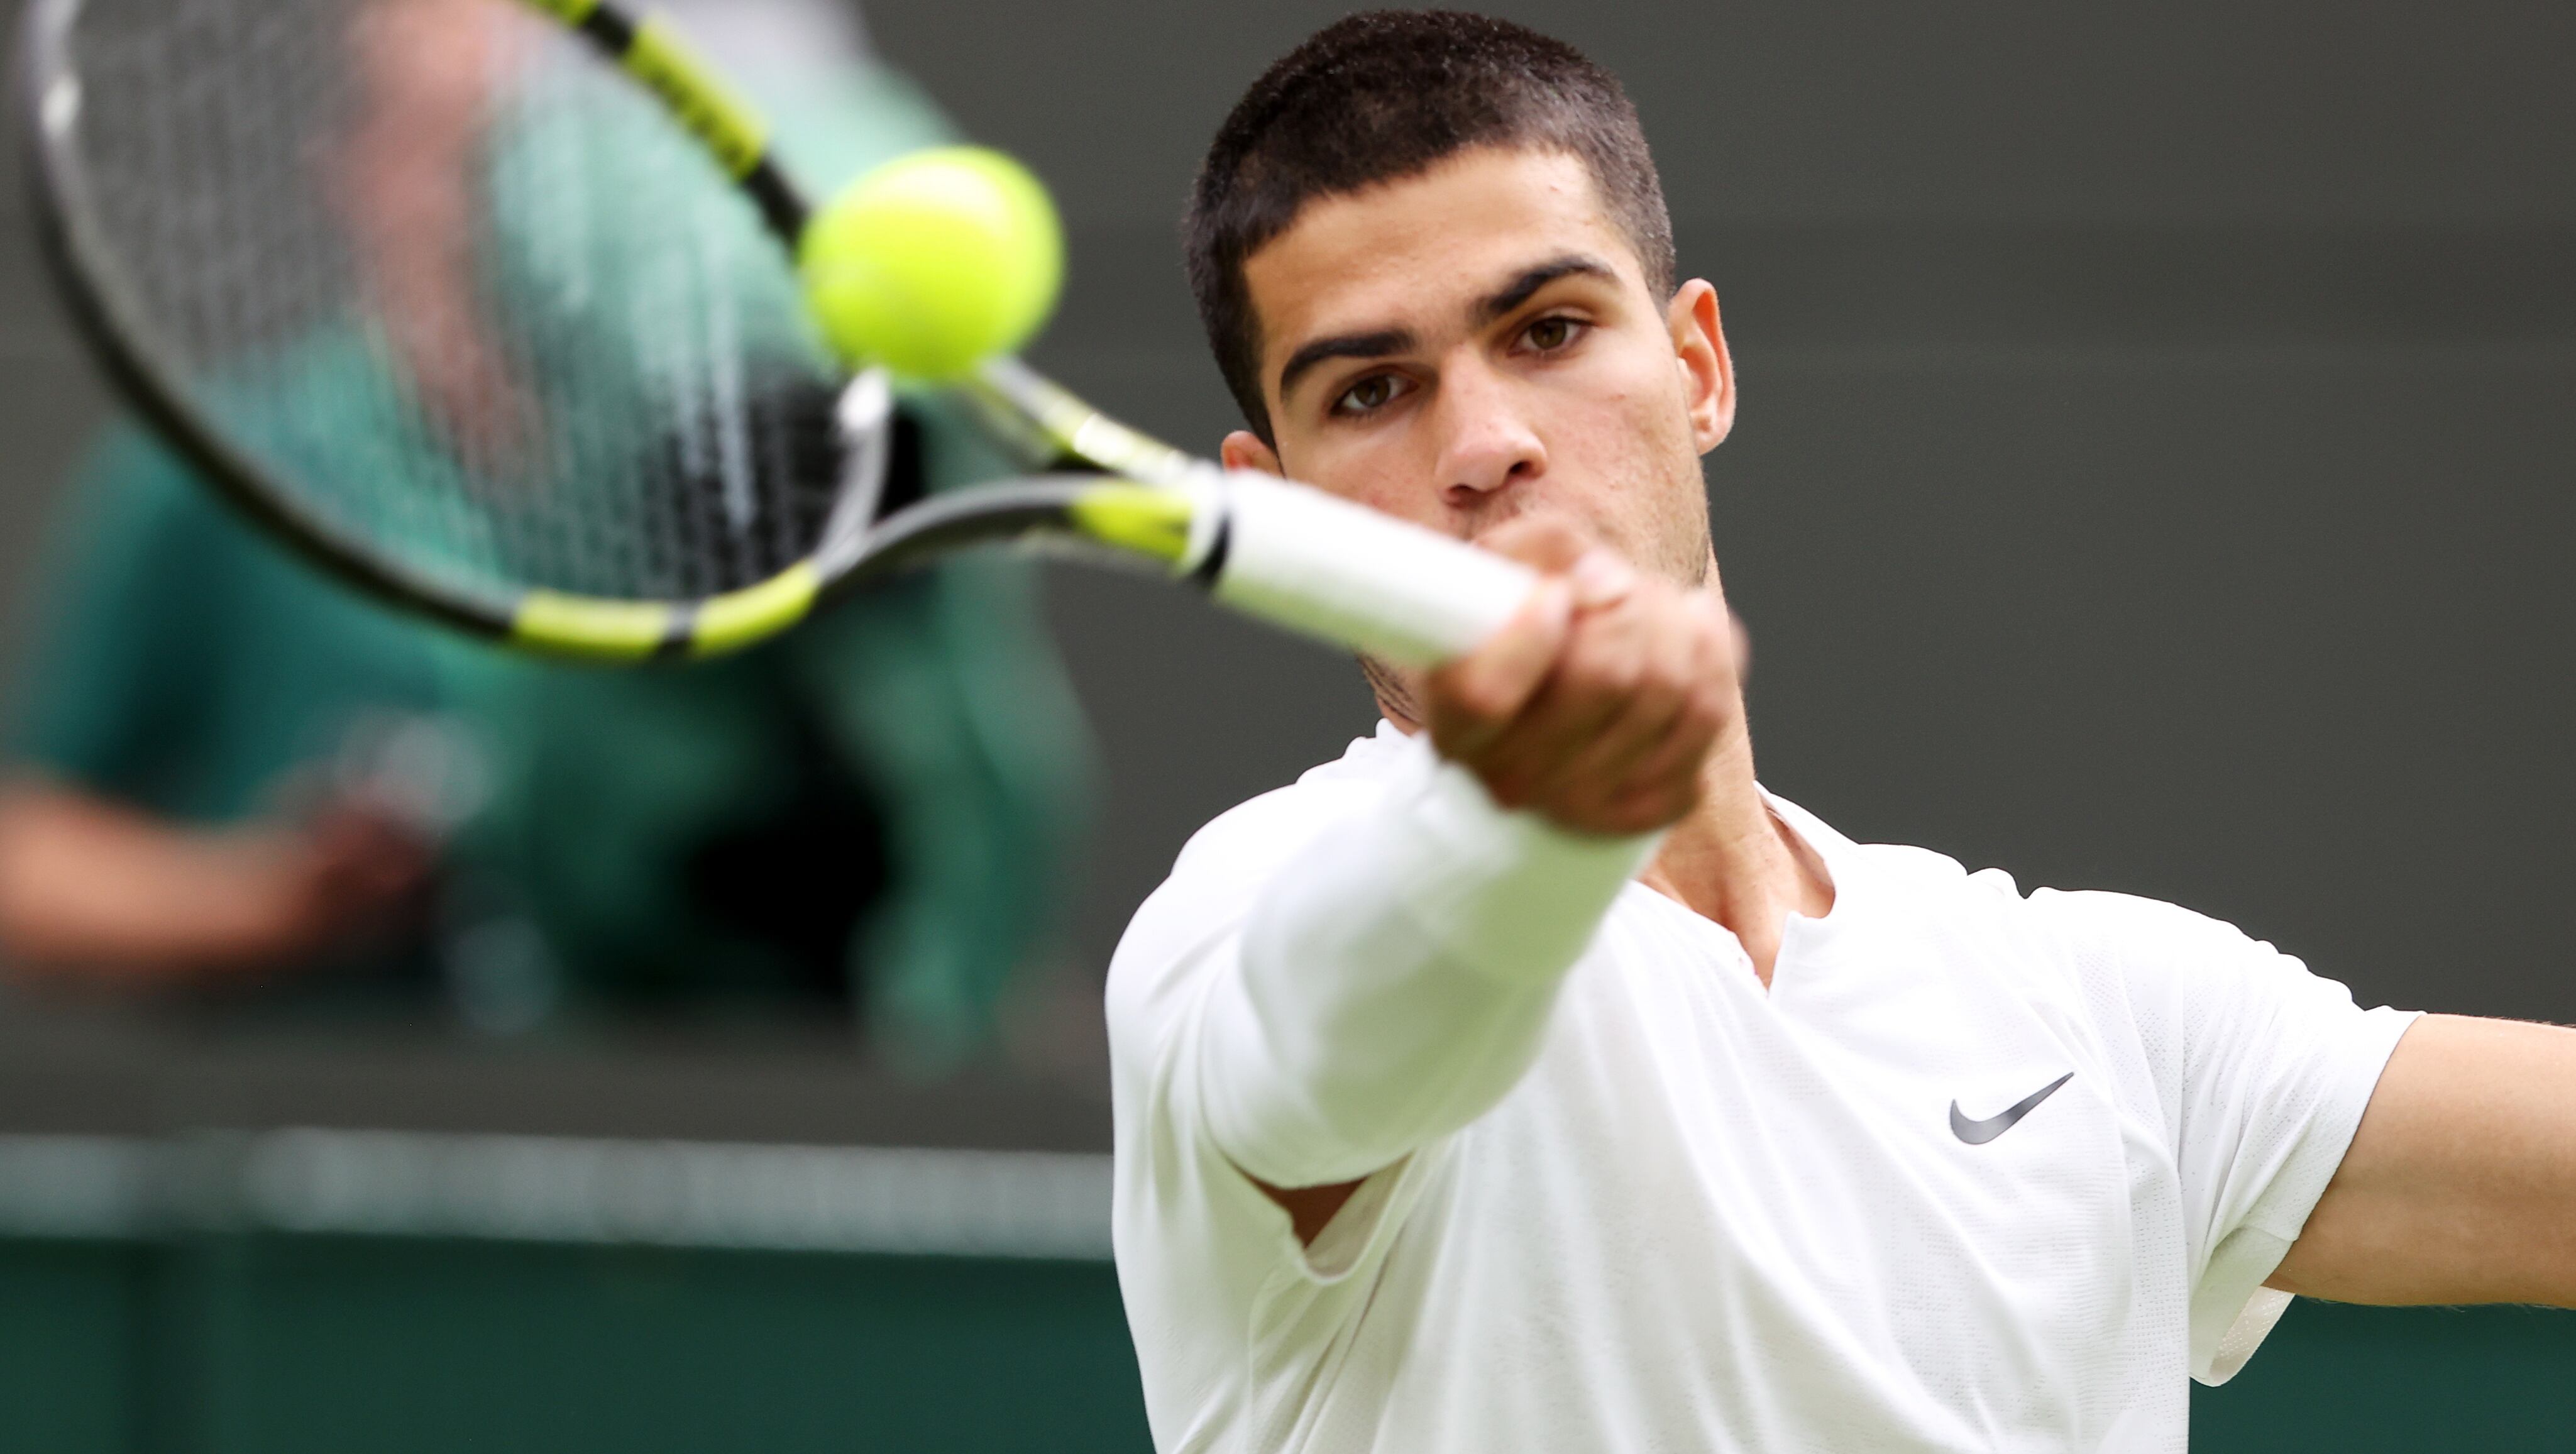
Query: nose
x,y
1486,443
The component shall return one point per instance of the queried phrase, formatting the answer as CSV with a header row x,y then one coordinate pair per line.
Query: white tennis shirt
x,y
1693,1214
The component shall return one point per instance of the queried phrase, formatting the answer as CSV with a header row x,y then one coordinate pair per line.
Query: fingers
x,y
1666,783
358,860
1475,698
1600,703
1656,694
1646,692
1601,709
1601,580
1542,540
1600,694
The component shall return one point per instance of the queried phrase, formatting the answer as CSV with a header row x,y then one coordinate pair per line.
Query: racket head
x,y
446,300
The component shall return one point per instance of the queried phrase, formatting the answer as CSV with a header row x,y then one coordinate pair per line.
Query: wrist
x,y
259,902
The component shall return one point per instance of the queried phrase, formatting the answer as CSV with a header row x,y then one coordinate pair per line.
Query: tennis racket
x,y
490,307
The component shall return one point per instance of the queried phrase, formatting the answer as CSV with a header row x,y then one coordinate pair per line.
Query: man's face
x,y
1466,345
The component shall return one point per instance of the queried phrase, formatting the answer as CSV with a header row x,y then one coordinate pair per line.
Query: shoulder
x,y
132,533
2073,919
130,488
2150,944
2159,963
1221,871
1246,844
2088,934
1251,839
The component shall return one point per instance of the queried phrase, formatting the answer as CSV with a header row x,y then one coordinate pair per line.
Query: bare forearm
x,y
2460,1186
90,888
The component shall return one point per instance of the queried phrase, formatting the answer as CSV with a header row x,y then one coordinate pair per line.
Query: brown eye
x,y
1369,394
1550,334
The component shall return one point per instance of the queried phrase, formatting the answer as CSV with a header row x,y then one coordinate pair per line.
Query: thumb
x,y
1475,697
1546,540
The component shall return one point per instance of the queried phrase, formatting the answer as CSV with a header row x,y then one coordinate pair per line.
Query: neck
x,y
1733,862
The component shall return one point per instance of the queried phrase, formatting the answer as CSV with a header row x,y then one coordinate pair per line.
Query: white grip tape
x,y
1300,558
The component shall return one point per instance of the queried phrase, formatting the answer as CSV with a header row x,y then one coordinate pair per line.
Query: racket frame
x,y
1318,565
106,310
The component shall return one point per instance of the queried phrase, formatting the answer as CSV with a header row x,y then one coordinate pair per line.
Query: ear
x,y
1699,351
1243,450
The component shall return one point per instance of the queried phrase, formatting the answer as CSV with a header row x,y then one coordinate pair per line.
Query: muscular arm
x,y
2460,1186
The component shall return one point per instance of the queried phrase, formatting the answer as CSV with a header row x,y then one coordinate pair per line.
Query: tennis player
x,y
1530,1079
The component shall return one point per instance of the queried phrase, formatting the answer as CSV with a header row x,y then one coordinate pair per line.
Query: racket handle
x,y
1299,558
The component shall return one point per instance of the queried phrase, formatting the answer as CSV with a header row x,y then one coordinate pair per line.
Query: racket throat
x,y
864,421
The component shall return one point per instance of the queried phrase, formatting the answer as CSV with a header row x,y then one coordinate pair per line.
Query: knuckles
x,y
1658,656
1661,647
1544,539
1592,675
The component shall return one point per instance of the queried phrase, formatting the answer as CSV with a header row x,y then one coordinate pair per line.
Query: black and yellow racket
x,y
493,307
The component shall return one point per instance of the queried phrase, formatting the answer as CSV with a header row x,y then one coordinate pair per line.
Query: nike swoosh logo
x,y
1978,1133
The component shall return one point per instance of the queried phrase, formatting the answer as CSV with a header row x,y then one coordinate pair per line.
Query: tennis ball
x,y
934,262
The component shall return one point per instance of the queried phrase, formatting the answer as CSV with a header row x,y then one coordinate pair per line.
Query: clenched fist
x,y
1599,704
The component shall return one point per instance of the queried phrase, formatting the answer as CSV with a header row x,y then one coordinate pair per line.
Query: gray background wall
x,y
2155,455
2154,466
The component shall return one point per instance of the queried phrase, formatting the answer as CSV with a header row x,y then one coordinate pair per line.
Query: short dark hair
x,y
1384,96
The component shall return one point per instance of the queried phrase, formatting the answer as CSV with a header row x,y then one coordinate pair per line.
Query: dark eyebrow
x,y
1343,345
1513,294
1493,305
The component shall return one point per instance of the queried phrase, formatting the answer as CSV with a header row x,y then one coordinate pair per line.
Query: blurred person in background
x,y
173,816
227,771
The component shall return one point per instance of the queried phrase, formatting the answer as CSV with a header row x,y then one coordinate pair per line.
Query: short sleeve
x,y
110,669
2263,1070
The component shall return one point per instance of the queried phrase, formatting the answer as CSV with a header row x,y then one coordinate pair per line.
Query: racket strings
x,y
461,295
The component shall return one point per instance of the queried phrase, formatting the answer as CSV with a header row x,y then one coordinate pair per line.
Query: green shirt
x,y
184,664
712,828
873,809
876,807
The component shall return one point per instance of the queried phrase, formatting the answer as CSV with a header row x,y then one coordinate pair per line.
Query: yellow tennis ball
x,y
934,262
